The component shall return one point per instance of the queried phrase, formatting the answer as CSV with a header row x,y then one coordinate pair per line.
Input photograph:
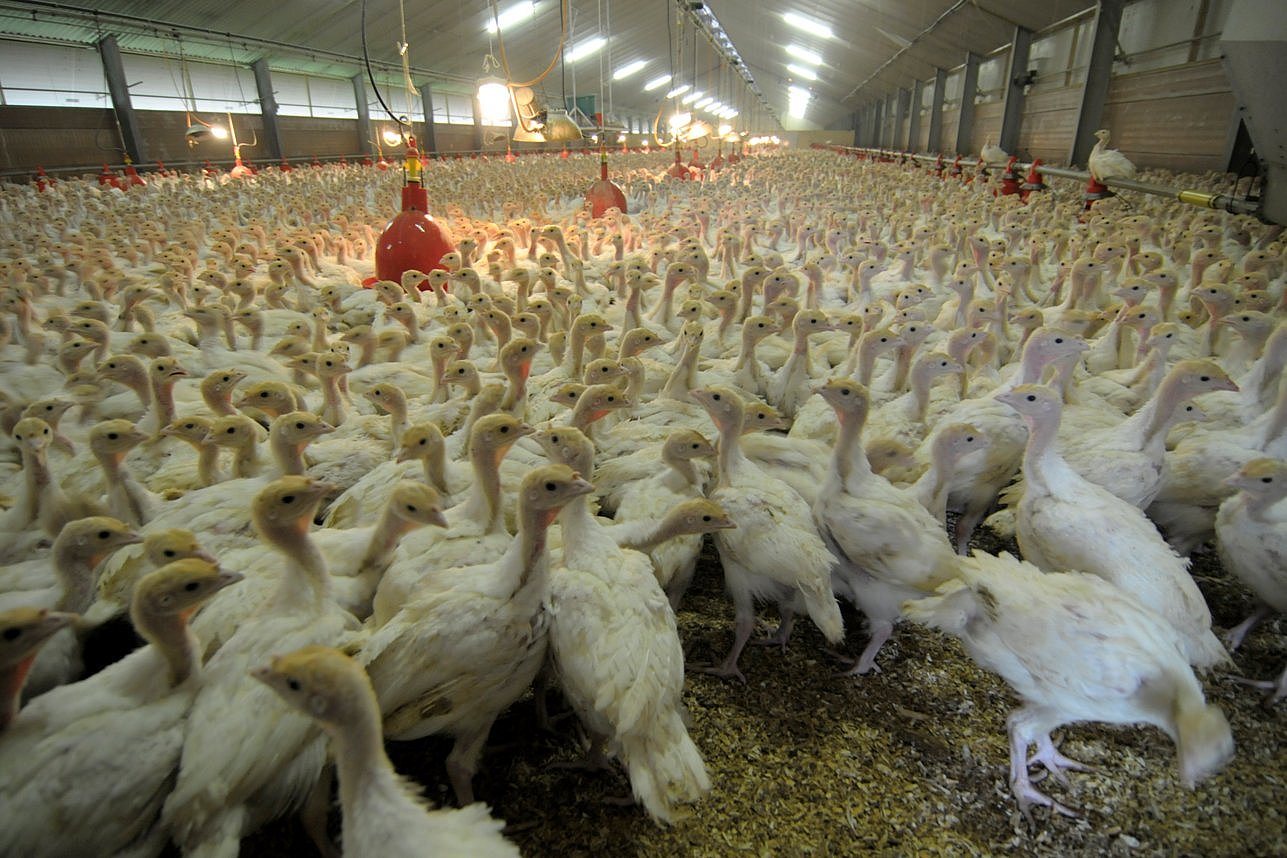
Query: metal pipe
x,y
1201,199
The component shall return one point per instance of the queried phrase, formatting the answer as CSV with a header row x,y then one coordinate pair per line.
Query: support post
x,y
914,124
969,86
429,145
936,111
1098,75
478,124
132,138
268,109
364,115
1016,78
877,123
856,120
901,100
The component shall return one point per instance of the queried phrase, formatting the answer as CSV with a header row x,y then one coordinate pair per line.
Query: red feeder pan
x,y
678,170
412,239
604,194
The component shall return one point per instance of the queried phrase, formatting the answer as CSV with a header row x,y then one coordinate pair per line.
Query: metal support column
x,y
110,53
364,114
428,145
478,125
969,86
1016,83
268,108
936,111
877,122
856,121
891,114
1098,74
901,100
914,124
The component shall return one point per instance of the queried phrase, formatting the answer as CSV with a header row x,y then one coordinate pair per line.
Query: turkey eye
x,y
112,436
969,439
263,394
1266,479
1059,339
504,430
169,552
1031,397
192,586
612,399
232,430
288,498
411,507
227,378
549,487
104,534
716,397
189,425
696,446
1205,378
293,684
706,518
12,634
554,439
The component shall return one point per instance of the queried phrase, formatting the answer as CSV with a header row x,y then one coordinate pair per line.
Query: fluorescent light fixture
x,y
656,82
802,72
813,58
799,101
702,103
798,92
628,69
692,96
679,90
679,120
515,14
724,128
730,113
585,49
812,26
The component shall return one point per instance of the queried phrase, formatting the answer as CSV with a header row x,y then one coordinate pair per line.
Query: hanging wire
x,y
558,54
366,60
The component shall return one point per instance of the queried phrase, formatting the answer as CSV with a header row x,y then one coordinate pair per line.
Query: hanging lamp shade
x,y
413,239
605,194
560,128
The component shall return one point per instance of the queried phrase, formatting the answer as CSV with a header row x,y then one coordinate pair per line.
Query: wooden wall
x,y
1180,118
55,137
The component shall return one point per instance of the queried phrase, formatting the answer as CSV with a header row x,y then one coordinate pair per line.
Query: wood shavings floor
x,y
910,761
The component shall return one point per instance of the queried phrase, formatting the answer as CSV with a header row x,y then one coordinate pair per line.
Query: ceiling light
x,y
585,49
628,69
679,90
703,103
656,82
730,113
692,96
515,14
813,58
219,132
679,120
802,72
812,26
391,137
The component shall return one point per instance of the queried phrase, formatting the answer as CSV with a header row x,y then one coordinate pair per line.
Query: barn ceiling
x,y
874,46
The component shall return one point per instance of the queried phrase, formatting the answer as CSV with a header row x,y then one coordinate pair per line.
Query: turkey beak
x,y
226,579
581,487
438,519
525,429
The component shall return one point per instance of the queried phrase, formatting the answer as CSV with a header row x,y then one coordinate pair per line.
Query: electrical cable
x,y
366,60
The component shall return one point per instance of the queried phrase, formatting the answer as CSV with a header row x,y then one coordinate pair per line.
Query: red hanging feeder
x,y
1032,182
604,194
1010,178
1095,191
132,176
678,170
413,239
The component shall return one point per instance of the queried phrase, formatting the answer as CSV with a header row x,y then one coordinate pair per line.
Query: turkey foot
x,y
1056,763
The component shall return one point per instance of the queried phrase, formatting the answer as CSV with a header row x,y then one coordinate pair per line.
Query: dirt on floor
x,y
909,761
